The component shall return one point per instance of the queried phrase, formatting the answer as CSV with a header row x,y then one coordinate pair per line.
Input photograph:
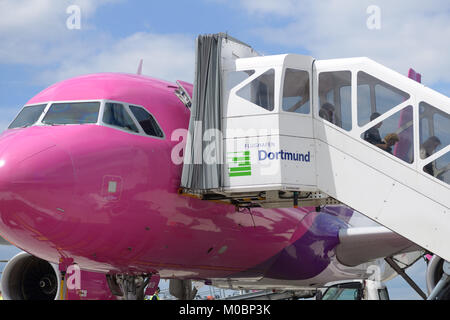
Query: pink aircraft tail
x,y
412,74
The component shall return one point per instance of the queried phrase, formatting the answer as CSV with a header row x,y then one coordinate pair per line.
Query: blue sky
x,y
37,48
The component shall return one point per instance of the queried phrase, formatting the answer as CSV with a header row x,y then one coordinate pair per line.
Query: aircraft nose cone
x,y
36,187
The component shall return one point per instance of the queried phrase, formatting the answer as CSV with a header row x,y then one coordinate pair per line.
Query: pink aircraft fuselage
x,y
55,200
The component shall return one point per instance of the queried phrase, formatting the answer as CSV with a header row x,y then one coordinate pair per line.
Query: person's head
x,y
326,111
431,144
373,116
391,139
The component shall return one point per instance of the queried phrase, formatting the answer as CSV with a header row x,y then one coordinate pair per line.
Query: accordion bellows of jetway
x,y
287,130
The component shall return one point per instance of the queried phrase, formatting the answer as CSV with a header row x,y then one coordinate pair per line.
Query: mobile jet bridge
x,y
286,130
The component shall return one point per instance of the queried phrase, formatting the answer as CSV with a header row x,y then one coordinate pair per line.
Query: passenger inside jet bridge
x,y
373,134
326,111
427,149
390,140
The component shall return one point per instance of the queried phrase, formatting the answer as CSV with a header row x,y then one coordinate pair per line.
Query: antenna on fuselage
x,y
139,70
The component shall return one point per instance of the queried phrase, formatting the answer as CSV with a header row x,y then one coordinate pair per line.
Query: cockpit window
x,y
147,122
116,115
72,113
28,116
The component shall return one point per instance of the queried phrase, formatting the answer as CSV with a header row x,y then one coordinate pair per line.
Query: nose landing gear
x,y
130,287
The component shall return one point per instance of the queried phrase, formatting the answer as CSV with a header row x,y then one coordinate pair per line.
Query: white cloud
x,y
41,17
34,32
281,7
413,33
170,57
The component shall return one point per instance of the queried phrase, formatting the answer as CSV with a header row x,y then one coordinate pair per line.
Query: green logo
x,y
239,164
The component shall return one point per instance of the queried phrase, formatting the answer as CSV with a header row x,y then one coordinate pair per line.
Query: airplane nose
x,y
36,187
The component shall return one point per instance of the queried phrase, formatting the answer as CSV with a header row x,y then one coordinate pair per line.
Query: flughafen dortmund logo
x,y
240,164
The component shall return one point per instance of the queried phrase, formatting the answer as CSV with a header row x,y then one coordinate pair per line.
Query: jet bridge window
x,y
72,113
296,91
434,126
261,90
335,98
376,97
394,134
28,116
147,122
116,115
434,131
235,77
440,168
